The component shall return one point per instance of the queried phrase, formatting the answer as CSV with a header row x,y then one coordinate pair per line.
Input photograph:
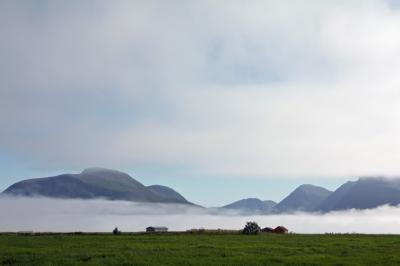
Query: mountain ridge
x,y
91,183
94,183
251,205
304,198
365,193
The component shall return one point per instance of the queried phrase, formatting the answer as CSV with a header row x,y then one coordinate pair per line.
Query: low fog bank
x,y
54,215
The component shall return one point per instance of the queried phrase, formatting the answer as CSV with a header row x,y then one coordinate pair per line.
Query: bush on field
x,y
251,228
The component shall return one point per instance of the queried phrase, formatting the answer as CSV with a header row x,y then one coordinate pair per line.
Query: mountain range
x,y
304,198
91,183
95,183
365,193
251,206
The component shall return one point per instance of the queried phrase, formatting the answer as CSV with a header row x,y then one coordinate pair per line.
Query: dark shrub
x,y
251,228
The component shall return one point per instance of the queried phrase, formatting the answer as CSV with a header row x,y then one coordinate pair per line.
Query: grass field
x,y
199,249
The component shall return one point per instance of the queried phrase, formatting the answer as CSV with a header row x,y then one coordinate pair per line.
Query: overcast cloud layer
x,y
244,88
50,215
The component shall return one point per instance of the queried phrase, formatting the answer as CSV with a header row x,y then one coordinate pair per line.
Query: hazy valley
x,y
107,184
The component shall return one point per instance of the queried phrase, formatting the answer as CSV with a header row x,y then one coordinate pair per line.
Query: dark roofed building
x,y
280,230
156,229
267,230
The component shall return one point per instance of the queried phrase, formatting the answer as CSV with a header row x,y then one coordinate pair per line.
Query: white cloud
x,y
51,215
246,88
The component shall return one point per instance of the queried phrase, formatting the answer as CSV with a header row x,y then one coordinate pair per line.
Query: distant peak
x,y
306,186
309,188
366,178
104,173
252,199
94,170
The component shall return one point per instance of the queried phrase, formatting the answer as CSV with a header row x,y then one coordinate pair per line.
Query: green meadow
x,y
199,249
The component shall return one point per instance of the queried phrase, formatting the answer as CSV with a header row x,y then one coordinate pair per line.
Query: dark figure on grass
x,y
116,231
251,228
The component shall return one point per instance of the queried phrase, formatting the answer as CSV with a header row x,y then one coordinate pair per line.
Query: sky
x,y
218,99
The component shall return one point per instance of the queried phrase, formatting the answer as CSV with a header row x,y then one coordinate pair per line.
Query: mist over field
x,y
55,215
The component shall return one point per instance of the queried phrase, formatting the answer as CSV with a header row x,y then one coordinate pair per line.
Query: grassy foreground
x,y
199,249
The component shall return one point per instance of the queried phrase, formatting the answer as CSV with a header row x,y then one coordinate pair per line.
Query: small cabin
x,y
267,230
156,229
